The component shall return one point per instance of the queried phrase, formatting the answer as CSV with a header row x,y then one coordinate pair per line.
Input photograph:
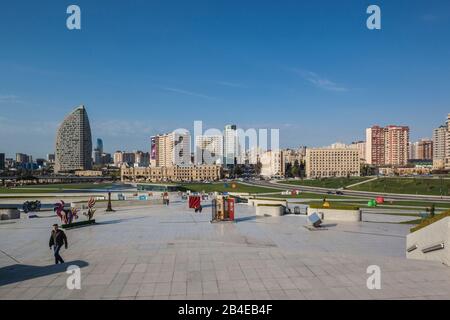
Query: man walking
x,y
57,240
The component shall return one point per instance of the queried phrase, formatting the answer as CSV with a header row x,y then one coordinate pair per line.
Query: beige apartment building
x,y
439,147
272,164
396,145
291,156
88,173
424,150
173,173
332,162
171,149
447,144
361,146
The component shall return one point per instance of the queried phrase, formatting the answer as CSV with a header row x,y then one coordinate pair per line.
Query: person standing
x,y
57,240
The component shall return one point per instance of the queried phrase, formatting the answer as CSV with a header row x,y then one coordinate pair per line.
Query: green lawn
x,y
49,188
331,183
220,187
307,195
425,186
364,206
419,204
71,186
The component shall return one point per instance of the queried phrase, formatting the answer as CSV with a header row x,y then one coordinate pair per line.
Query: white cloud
x,y
115,128
321,82
185,92
29,128
429,17
231,84
9,98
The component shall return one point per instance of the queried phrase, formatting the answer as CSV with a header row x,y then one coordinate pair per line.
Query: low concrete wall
x,y
9,214
337,215
255,202
434,234
276,211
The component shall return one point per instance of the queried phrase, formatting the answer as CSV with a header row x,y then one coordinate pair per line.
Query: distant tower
x,y
98,152
74,142
99,146
230,145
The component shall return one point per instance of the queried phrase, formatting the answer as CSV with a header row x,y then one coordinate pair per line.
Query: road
x,y
393,196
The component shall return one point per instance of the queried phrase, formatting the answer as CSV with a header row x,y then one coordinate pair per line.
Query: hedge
x,y
334,206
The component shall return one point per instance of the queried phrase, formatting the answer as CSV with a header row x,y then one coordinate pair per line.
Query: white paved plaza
x,y
170,252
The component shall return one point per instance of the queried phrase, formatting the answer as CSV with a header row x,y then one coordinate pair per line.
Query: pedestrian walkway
x,y
168,252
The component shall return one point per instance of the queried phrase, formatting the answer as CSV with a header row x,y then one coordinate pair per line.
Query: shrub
x,y
335,206
431,220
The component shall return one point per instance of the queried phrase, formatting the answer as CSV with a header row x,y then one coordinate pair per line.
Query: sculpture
x,y
31,206
66,215
372,203
91,210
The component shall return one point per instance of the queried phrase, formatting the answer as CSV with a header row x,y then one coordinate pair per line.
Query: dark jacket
x,y
58,238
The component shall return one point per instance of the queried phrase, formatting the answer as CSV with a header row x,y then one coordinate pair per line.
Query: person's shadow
x,y
21,272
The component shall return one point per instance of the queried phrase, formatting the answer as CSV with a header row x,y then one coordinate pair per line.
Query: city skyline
x,y
147,143
313,70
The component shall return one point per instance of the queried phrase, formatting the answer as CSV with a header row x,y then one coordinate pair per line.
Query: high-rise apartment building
x,y
253,155
272,163
22,158
230,145
412,150
51,157
447,144
396,145
153,151
208,149
74,143
99,145
361,147
2,161
97,154
291,157
172,149
375,146
118,158
422,150
141,159
387,146
439,147
123,157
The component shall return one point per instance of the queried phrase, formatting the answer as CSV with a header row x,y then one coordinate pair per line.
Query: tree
x,y
288,170
301,169
258,167
237,170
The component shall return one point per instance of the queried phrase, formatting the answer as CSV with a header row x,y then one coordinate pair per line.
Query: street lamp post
x,y
109,208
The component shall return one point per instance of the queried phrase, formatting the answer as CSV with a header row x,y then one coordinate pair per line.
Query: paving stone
x,y
169,253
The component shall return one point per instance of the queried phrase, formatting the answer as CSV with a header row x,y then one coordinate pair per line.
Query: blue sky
x,y
310,68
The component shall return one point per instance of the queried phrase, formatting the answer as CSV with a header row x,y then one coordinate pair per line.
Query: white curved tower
x,y
74,142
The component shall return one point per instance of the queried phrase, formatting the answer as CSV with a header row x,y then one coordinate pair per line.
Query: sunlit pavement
x,y
170,252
